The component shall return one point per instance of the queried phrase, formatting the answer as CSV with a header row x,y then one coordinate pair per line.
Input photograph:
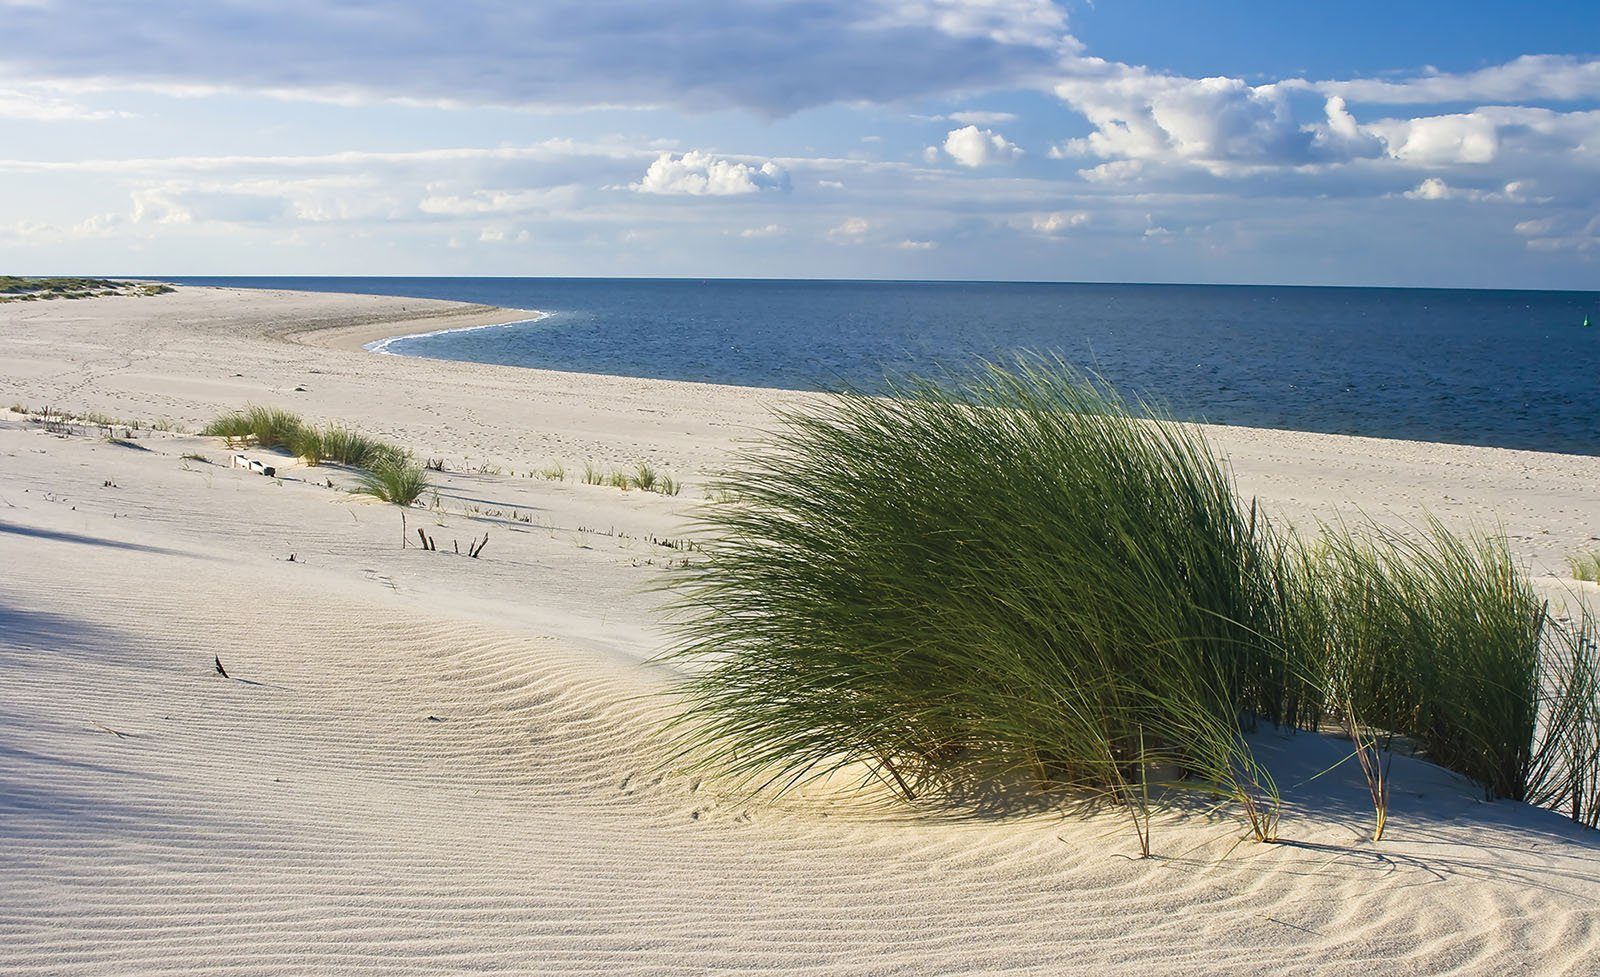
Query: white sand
x,y
430,764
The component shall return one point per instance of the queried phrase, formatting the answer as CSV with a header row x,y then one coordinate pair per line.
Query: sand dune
x,y
423,763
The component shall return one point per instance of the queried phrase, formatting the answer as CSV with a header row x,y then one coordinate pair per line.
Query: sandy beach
x,y
423,763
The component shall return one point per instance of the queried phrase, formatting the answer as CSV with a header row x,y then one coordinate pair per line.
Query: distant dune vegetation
x,y
16,288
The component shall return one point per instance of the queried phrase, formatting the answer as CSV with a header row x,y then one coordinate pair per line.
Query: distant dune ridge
x,y
421,762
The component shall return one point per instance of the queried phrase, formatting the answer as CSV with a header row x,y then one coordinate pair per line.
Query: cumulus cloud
x,y
1149,125
1138,114
790,55
1057,222
700,174
1434,188
971,146
766,230
1464,138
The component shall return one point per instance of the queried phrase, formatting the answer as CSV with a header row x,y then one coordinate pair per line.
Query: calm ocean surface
x,y
1513,369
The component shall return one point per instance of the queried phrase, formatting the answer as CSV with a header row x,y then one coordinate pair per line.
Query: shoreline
x,y
469,317
430,316
381,346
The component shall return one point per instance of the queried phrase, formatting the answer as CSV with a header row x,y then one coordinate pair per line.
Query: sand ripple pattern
x,y
381,792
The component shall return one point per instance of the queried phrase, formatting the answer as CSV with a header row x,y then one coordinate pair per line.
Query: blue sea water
x,y
1507,368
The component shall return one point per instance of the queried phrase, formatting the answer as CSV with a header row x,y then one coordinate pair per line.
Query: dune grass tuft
x,y
1012,579
1585,566
401,482
1439,638
344,446
269,427
1020,579
385,470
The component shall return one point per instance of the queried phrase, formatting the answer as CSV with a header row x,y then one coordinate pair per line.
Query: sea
x,y
1515,369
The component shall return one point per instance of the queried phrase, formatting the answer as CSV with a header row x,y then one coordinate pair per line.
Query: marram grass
x,y
1019,579
385,470
1011,579
400,481
270,427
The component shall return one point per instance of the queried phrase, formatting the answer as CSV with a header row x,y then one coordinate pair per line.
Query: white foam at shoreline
x,y
382,345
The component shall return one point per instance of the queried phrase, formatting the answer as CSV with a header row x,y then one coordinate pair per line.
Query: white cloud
x,y
1434,188
769,230
982,118
910,245
39,106
1533,77
1465,138
1058,222
26,230
519,201
1569,232
1024,22
700,174
971,146
1138,114
851,229
1152,129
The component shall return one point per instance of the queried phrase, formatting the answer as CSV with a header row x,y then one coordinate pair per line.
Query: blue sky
x,y
1421,143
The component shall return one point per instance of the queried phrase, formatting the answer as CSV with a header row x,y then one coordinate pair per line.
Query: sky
x,y
1416,143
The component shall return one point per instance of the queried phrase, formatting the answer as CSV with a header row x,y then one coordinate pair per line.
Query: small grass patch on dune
x,y
269,427
1585,566
384,470
399,482
643,477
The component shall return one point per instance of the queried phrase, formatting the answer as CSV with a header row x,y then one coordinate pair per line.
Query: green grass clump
x,y
398,482
269,427
308,445
1438,638
1015,578
344,446
1585,566
1020,579
385,470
